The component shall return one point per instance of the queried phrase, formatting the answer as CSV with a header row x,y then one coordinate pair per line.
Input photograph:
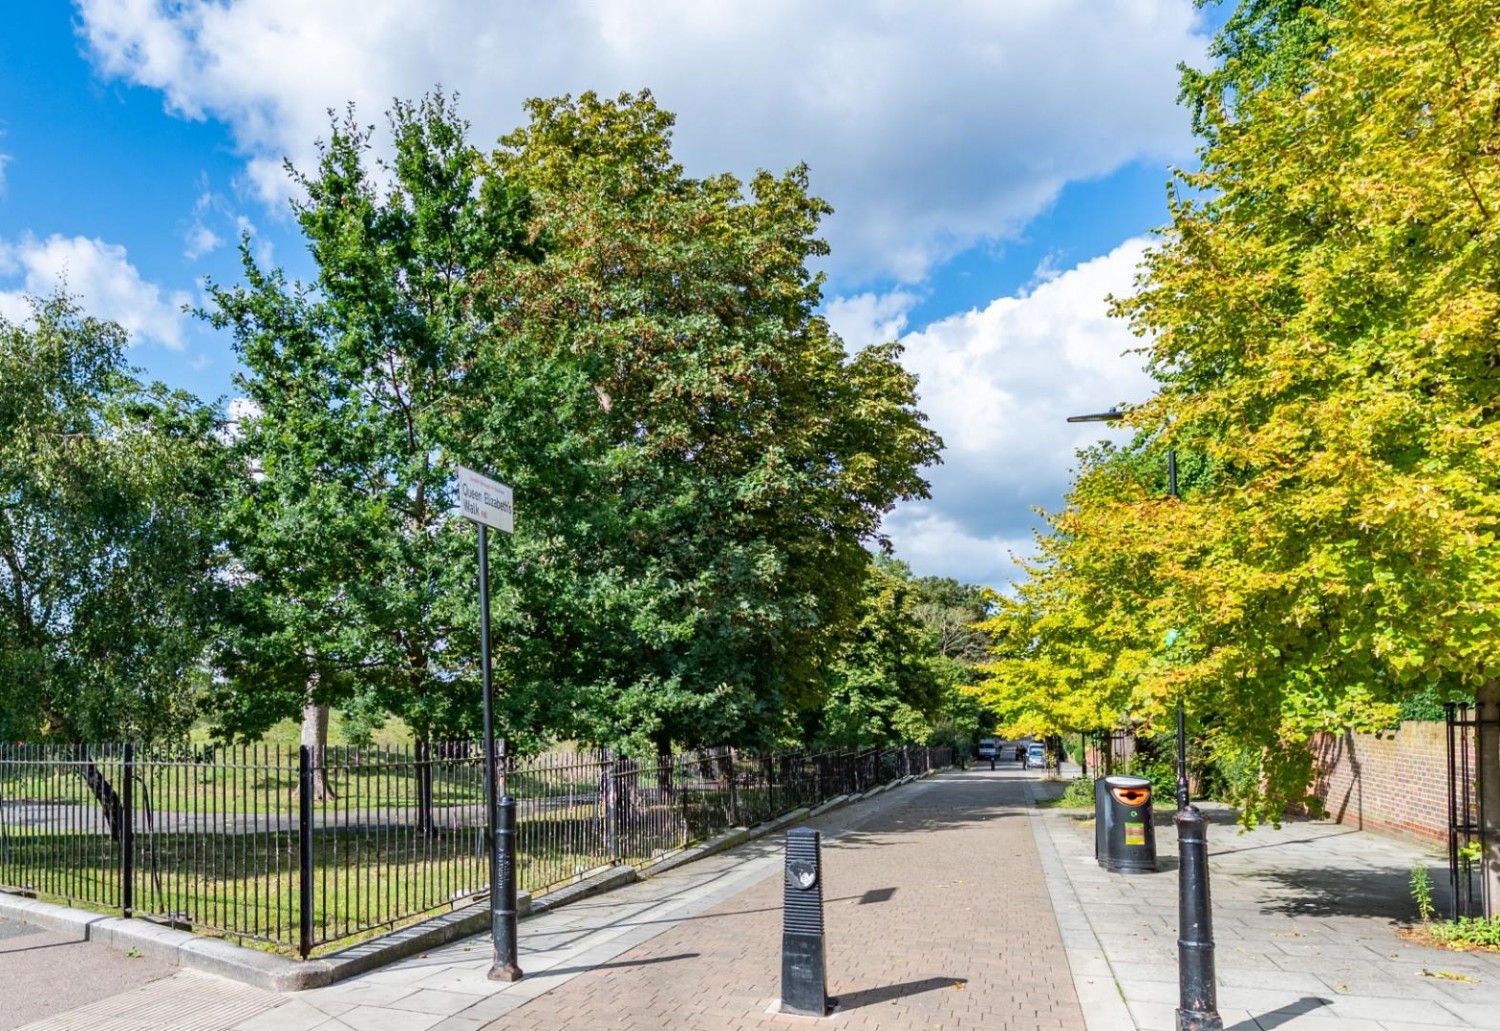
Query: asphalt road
x,y
43,973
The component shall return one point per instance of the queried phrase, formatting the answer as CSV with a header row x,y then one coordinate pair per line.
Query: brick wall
x,y
1397,782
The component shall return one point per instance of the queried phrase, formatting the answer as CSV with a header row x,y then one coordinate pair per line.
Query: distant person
x,y
1021,756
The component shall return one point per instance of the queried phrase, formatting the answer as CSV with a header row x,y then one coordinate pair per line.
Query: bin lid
x,y
1127,782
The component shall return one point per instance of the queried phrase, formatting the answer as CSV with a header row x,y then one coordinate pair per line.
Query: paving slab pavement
x,y
1304,917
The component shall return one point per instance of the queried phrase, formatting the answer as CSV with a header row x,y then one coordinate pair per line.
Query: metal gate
x,y
1465,811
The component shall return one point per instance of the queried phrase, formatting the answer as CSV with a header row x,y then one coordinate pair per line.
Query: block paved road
x,y
937,917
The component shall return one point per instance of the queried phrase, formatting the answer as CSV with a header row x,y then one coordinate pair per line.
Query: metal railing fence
x,y
304,848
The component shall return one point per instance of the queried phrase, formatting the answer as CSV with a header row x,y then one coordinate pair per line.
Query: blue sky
x,y
995,169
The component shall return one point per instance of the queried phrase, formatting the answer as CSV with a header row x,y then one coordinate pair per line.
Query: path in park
x,y
937,917
937,914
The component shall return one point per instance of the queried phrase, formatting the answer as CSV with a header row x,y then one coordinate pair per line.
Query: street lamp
x,y
1114,415
1197,992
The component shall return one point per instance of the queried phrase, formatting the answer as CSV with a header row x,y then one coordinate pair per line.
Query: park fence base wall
x,y
1396,782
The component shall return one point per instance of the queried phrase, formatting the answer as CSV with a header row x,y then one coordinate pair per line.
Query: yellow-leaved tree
x,y
1322,316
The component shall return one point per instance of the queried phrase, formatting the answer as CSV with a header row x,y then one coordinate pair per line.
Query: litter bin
x,y
1124,839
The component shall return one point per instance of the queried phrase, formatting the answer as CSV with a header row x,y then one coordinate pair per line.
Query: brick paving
x,y
938,917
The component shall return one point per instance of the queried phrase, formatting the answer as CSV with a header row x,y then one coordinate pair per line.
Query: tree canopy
x,y
697,461
110,564
365,390
698,464
1321,314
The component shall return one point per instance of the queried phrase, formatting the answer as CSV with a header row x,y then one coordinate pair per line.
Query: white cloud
x,y
100,275
200,241
929,126
998,385
870,318
5,159
934,545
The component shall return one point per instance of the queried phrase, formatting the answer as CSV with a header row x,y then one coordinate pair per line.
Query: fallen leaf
x,y
1443,975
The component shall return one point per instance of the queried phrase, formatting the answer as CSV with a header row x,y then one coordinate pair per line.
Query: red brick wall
x,y
1397,782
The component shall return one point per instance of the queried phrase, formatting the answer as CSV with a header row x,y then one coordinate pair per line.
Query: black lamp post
x,y
1197,991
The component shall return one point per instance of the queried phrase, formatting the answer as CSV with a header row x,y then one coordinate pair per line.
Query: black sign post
x,y
488,503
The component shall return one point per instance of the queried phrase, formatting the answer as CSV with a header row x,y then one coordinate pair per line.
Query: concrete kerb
x,y
279,973
1094,979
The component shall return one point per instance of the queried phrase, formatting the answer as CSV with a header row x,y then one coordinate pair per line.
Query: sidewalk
x,y
1304,918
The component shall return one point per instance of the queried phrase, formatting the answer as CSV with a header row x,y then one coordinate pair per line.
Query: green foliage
x,y
1079,794
883,688
1468,932
357,580
1233,775
1162,774
1321,315
697,461
1426,704
1421,892
1263,44
110,495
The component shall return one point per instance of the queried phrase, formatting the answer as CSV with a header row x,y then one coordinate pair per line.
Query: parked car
x,y
1036,756
989,748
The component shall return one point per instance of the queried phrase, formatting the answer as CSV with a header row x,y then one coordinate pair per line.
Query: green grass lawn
x,y
246,885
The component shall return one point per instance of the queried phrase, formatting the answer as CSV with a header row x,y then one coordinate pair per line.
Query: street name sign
x,y
484,500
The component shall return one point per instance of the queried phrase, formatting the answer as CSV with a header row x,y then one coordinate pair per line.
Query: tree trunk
x,y
109,799
664,785
1487,760
315,739
426,823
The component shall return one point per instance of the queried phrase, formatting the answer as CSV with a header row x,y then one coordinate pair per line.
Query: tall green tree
x,y
364,390
698,462
886,684
110,559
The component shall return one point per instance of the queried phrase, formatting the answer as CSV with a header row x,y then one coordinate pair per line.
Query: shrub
x,y
1469,931
1079,794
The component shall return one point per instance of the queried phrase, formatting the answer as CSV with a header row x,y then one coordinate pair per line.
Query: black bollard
x,y
804,967
503,895
1198,1008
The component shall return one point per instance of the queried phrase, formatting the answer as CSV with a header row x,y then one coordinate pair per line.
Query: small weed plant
x,y
1421,892
1467,932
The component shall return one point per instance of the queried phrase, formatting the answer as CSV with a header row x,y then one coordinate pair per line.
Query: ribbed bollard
x,y
804,967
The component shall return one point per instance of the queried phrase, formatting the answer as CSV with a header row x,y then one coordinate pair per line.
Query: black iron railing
x,y
1466,816
304,848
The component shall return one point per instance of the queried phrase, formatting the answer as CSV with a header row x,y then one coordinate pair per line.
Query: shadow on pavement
x,y
1304,1005
871,996
1329,891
